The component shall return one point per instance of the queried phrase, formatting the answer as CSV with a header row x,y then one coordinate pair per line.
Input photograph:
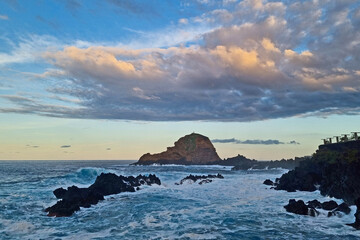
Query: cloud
x,y
229,140
28,49
183,21
4,17
108,149
258,60
250,141
263,142
32,146
294,142
65,146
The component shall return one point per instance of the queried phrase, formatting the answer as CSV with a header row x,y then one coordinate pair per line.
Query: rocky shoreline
x,y
105,184
311,208
333,170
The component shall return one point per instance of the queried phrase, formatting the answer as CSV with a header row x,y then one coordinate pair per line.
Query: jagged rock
x,y
343,207
59,193
310,209
204,178
242,163
106,184
239,162
190,149
314,204
268,182
297,207
205,181
329,205
313,212
333,169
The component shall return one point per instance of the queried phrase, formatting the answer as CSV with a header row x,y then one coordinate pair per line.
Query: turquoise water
x,y
237,207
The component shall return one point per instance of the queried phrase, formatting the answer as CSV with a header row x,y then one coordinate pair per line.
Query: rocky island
x,y
192,149
196,149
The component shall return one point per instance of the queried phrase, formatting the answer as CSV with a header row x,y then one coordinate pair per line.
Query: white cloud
x,y
29,49
237,64
183,21
4,17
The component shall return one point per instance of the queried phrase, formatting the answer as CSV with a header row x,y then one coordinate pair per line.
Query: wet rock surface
x,y
299,207
268,182
333,169
73,197
204,178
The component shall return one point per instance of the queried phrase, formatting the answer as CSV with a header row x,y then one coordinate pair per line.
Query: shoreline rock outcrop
x,y
332,170
242,163
204,179
311,208
192,149
73,197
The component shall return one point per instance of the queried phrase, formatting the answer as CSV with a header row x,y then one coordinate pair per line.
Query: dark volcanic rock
x,y
313,212
297,207
204,178
106,184
314,204
205,181
299,180
242,163
344,208
333,169
190,149
329,205
239,162
268,182
59,193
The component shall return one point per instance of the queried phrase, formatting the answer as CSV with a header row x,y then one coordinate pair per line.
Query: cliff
x,y
333,169
191,149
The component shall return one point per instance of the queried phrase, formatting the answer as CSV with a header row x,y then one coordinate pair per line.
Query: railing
x,y
353,136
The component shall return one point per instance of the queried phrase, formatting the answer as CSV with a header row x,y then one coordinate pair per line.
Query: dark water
x,y
237,207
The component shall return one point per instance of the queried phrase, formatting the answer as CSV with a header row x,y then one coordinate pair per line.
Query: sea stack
x,y
192,149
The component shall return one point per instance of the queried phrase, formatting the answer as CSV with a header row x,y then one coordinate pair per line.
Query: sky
x,y
114,79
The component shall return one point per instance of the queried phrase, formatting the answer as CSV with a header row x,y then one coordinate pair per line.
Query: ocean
x,y
236,207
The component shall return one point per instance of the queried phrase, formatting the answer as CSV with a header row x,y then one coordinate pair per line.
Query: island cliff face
x,y
193,149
